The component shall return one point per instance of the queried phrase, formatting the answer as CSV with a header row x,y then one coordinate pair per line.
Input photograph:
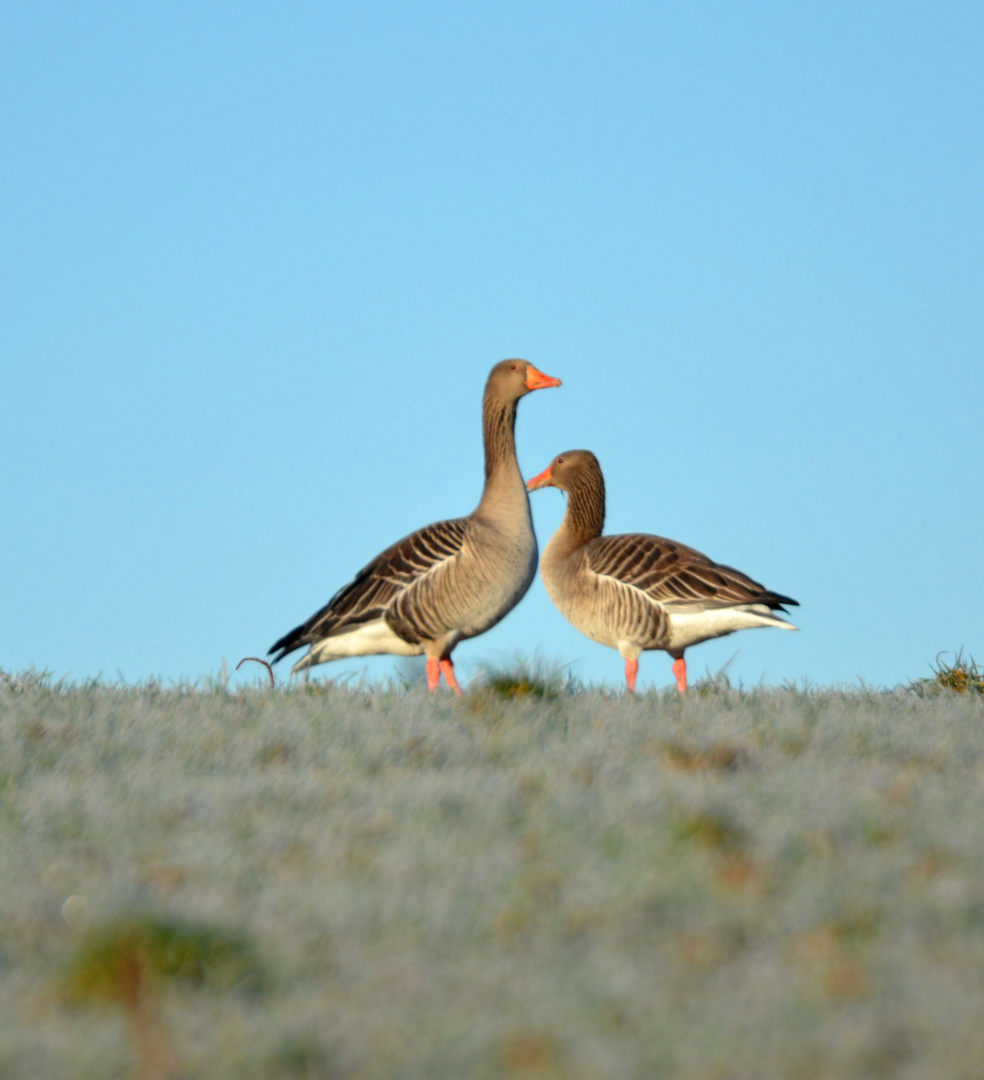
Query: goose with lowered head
x,y
448,581
636,592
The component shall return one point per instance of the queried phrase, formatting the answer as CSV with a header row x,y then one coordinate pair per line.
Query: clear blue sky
x,y
258,259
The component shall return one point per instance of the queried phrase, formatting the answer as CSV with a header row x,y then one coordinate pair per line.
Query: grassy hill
x,y
742,885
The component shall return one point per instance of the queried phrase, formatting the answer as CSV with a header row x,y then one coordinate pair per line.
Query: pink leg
x,y
433,672
631,670
680,670
448,668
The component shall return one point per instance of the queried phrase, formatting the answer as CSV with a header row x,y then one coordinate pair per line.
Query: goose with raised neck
x,y
635,591
448,581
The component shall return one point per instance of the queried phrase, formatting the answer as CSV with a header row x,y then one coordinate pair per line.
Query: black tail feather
x,y
776,601
296,639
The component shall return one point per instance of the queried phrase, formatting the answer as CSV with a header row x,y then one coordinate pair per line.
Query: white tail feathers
x,y
689,628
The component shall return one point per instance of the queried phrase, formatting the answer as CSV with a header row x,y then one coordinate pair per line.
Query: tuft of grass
x,y
535,679
127,962
30,681
163,948
712,829
530,1053
686,757
963,675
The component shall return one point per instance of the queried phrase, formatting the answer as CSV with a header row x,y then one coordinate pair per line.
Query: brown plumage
x,y
448,581
635,591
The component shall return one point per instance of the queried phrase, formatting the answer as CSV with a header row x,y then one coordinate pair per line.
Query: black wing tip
x,y
287,644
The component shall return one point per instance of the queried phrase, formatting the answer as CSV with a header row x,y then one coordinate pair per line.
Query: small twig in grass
x,y
265,663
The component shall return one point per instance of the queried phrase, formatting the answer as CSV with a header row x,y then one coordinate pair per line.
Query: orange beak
x,y
536,380
545,479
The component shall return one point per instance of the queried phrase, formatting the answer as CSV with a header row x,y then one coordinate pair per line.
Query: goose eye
x,y
560,461
513,367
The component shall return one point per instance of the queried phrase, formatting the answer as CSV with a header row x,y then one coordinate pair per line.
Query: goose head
x,y
510,380
568,470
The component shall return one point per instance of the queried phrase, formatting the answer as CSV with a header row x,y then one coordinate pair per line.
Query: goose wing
x,y
376,586
676,576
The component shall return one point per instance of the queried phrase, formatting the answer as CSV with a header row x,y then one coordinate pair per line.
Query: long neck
x,y
585,516
504,485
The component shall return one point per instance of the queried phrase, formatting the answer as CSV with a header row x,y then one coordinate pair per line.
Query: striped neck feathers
x,y
498,432
502,476
585,517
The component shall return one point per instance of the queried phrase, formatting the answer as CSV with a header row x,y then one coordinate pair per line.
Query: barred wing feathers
x,y
373,591
675,576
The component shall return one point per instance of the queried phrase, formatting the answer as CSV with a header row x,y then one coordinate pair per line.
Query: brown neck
x,y
498,428
585,517
503,482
